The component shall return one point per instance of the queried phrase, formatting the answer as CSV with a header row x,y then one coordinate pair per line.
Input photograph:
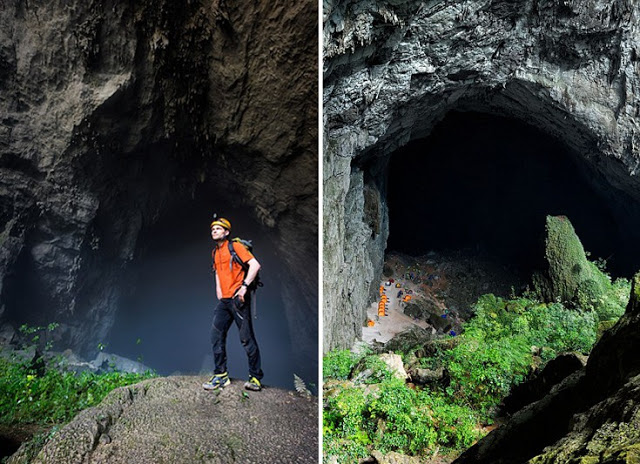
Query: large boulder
x,y
541,384
106,362
173,420
414,310
408,339
423,376
427,311
395,365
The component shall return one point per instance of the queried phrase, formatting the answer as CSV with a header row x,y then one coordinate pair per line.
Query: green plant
x,y
35,334
394,417
36,391
55,396
497,349
609,304
338,364
379,370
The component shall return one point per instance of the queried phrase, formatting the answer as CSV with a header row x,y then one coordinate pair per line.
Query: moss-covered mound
x,y
571,278
568,267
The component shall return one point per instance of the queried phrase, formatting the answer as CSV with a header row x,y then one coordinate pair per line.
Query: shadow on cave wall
x,y
165,320
485,183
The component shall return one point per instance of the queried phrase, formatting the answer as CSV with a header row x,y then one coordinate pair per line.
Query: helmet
x,y
222,222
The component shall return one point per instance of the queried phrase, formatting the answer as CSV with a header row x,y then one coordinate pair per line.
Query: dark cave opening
x,y
485,183
165,320
24,295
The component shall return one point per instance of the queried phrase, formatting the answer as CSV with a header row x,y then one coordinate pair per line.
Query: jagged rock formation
x,y
593,416
113,113
393,69
174,420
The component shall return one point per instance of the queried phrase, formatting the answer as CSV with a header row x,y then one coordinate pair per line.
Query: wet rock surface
x,y
541,383
173,420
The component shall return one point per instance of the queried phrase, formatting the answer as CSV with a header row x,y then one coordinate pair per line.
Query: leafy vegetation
x,y
338,364
54,396
42,392
499,348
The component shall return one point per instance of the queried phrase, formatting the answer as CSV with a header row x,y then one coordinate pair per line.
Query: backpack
x,y
245,267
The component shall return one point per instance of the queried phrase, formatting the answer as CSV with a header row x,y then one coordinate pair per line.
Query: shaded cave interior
x,y
165,319
481,184
151,242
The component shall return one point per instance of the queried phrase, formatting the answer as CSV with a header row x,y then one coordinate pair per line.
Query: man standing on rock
x,y
235,270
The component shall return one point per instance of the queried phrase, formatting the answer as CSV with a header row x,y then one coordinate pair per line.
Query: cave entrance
x,y
482,185
165,320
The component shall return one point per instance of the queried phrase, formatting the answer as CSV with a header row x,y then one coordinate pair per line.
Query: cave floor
x,y
444,286
386,327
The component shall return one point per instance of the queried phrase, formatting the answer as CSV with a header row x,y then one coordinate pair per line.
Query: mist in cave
x,y
485,183
165,322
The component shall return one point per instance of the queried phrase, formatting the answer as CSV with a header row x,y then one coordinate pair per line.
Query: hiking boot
x,y
253,384
217,381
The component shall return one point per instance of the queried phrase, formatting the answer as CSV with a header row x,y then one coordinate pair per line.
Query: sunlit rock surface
x,y
113,113
393,69
174,420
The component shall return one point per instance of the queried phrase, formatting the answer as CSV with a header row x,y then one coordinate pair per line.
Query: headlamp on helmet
x,y
222,222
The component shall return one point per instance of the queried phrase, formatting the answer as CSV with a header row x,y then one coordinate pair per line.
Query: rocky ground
x,y
173,420
442,288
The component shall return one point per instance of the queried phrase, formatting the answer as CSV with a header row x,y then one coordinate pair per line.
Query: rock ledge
x,y
172,419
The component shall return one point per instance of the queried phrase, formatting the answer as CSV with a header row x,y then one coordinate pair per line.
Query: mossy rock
x,y
542,286
588,293
408,340
415,311
569,270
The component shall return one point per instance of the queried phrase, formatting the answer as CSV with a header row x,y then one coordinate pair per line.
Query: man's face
x,y
218,233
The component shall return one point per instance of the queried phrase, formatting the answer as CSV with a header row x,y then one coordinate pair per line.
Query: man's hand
x,y
241,292
218,289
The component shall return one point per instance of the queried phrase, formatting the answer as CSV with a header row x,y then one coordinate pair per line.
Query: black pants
x,y
227,311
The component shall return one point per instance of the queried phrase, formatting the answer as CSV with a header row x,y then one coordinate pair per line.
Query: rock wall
x,y
393,69
112,111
